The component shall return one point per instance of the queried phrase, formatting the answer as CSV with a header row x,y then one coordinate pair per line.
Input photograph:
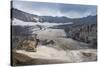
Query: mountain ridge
x,y
15,13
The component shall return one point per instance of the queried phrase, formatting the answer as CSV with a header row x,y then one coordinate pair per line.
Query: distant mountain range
x,y
26,17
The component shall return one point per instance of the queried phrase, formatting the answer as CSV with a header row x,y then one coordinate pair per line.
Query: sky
x,y
55,9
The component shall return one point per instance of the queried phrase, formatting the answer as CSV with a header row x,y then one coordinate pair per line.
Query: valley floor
x,y
64,50
49,55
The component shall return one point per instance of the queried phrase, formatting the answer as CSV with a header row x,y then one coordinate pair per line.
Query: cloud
x,y
55,9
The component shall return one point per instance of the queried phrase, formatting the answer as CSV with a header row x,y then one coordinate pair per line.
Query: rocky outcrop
x,y
29,43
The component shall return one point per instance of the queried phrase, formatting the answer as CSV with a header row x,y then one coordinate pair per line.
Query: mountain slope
x,y
18,14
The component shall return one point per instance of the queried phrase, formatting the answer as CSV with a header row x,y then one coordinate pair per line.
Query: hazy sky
x,y
55,9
